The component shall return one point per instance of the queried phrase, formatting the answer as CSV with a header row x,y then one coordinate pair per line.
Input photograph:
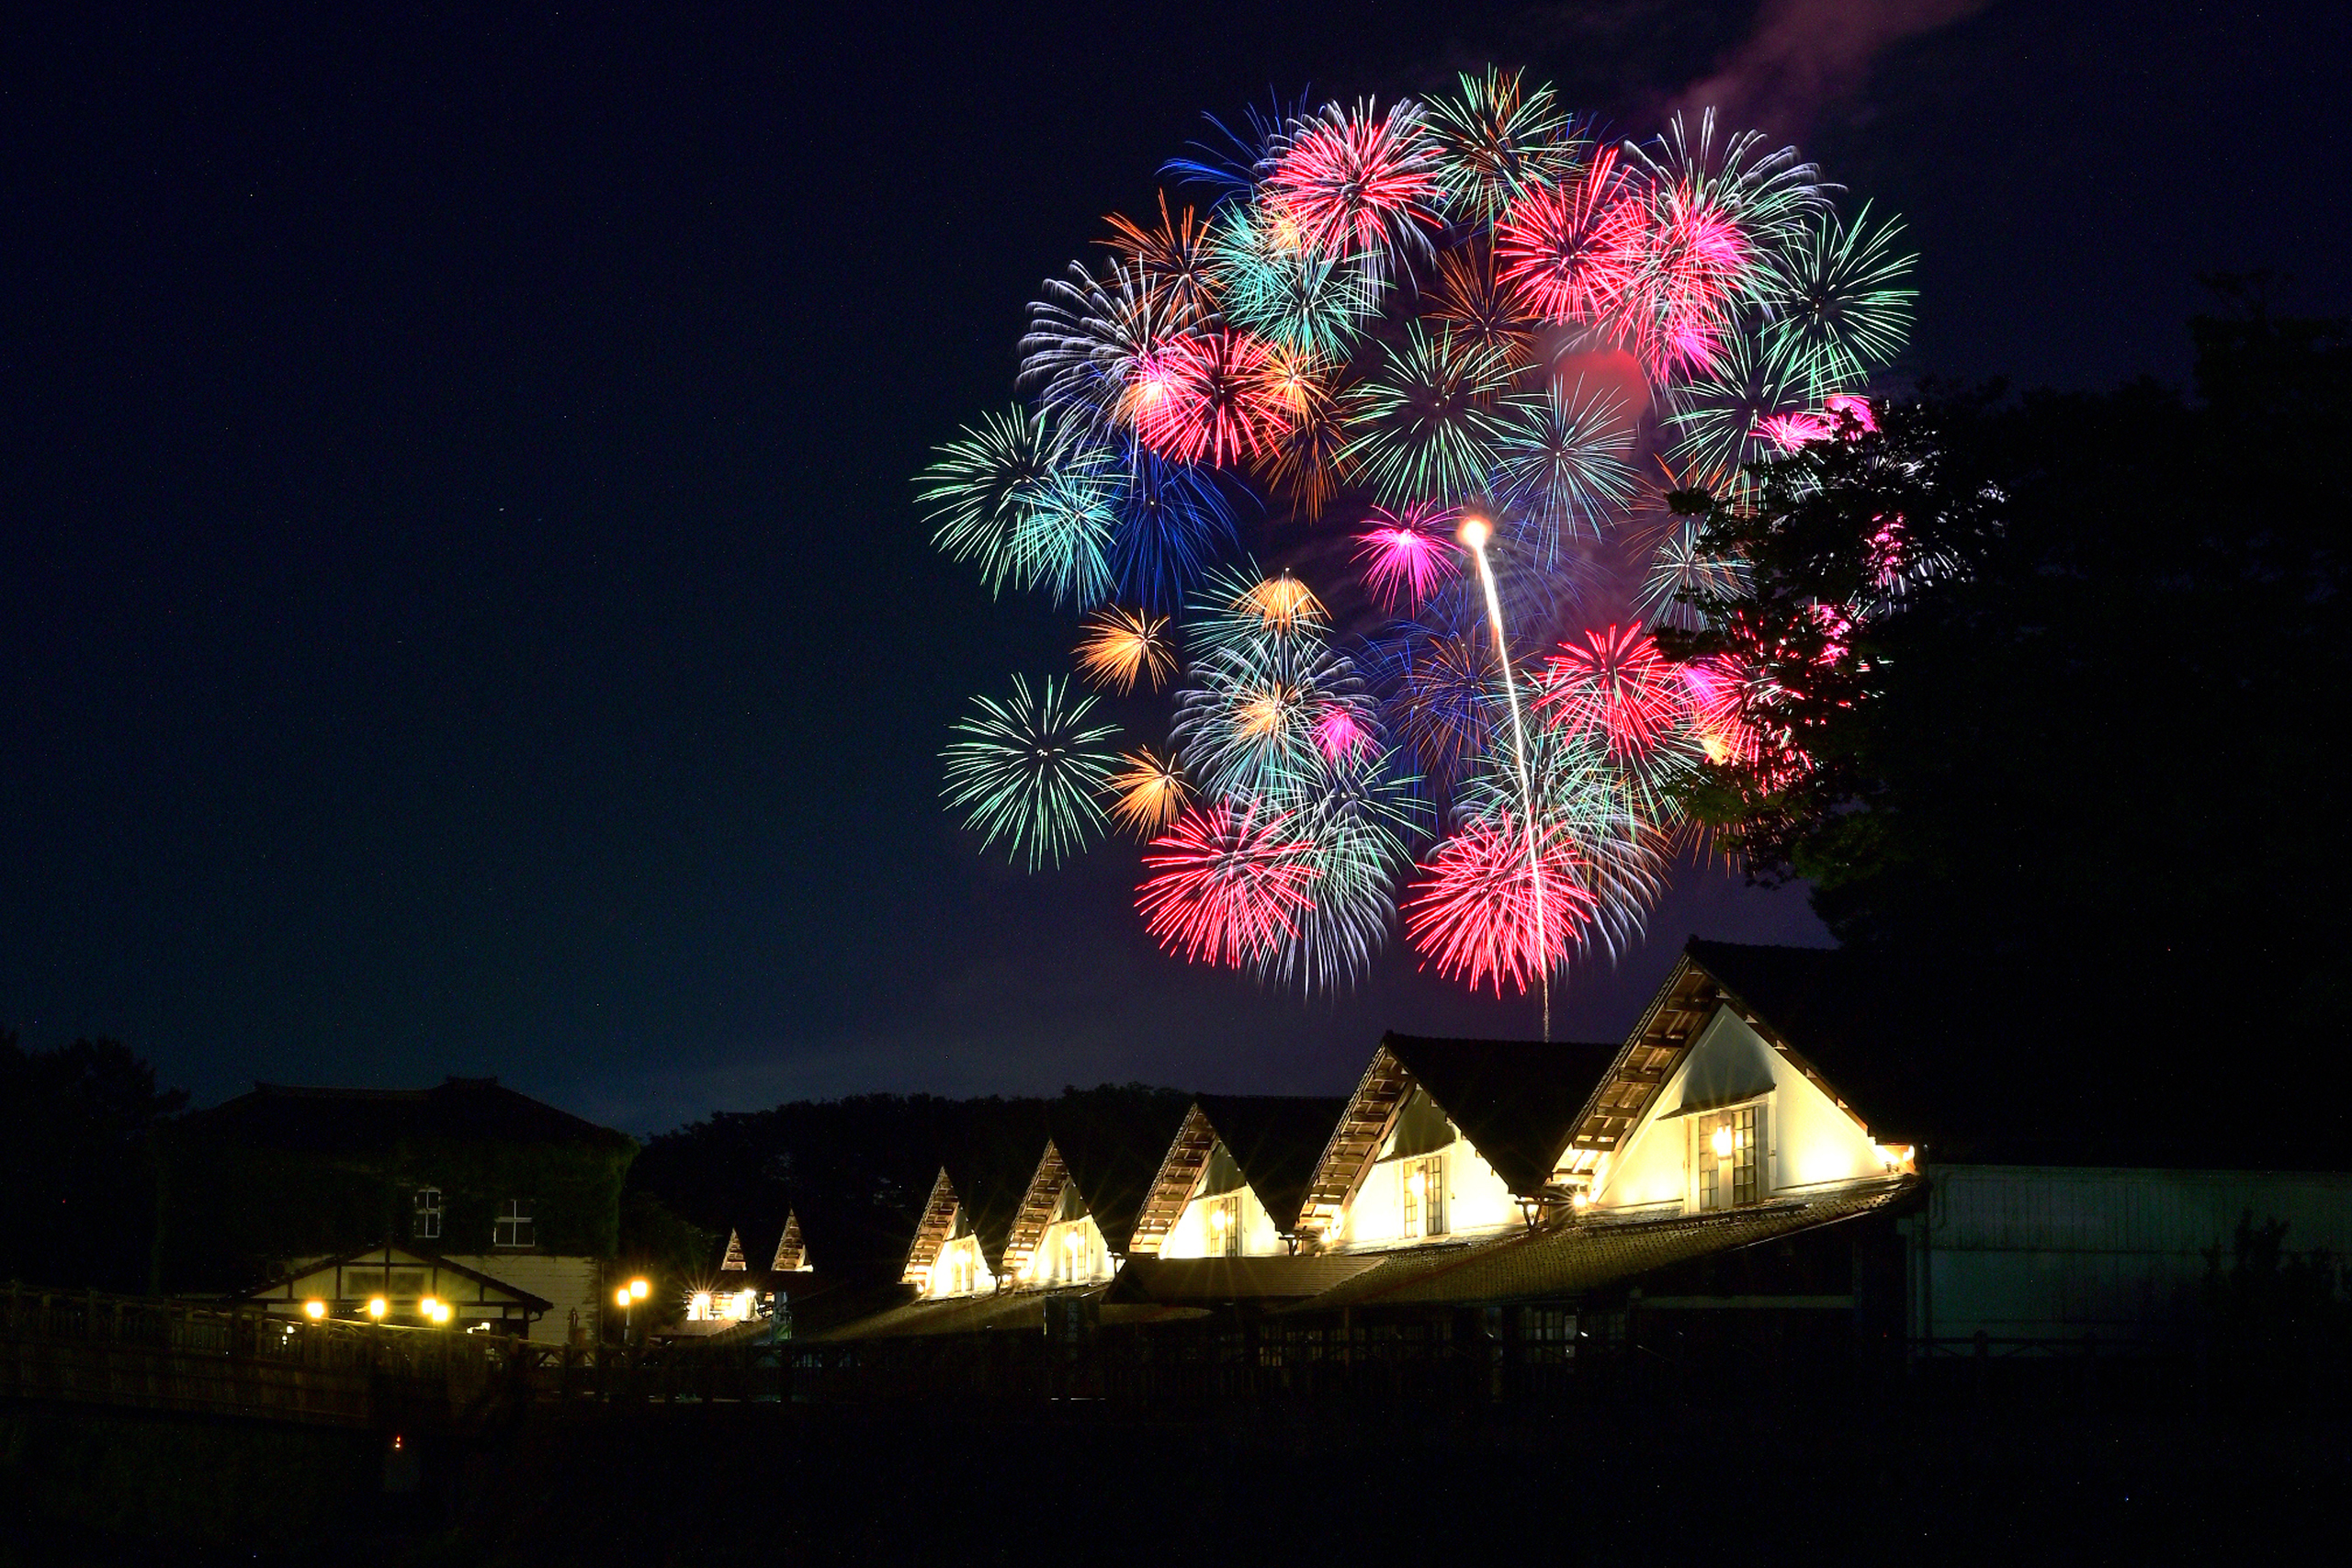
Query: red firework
x,y
1349,182
1618,685
1340,736
1473,913
1802,427
1568,252
1407,553
1227,889
1210,398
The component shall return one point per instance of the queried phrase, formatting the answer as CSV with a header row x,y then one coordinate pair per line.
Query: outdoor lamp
x,y
1723,1143
429,1307
621,1297
636,1288
376,1305
314,1310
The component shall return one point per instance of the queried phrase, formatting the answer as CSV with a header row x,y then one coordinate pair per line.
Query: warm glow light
x,y
314,1310
1580,1201
377,1306
636,1290
698,1308
429,1306
621,1297
1723,1143
1475,533
1415,1183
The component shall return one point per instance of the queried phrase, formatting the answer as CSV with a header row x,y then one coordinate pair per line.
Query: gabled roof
x,y
383,1254
791,1252
1514,1100
364,1120
1113,1159
1275,1140
1807,987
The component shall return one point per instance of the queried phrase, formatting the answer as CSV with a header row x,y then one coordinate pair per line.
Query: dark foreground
x,y
1729,1476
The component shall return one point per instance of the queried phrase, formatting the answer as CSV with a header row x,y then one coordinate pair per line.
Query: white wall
x,y
960,1269
1476,1201
571,1283
1070,1252
1190,1237
1809,1141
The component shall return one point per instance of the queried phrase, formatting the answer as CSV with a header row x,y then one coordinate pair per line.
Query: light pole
x,y
626,1298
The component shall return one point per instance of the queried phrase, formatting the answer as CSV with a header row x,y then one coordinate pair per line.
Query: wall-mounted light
x,y
1723,1143
314,1310
378,1306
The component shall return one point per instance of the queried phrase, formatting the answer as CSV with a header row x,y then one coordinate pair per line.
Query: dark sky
x,y
463,607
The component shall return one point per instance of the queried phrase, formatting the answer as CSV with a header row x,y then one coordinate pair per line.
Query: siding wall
x,y
2036,1252
569,1282
1189,1237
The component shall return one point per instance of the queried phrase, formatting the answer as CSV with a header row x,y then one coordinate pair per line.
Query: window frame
x,y
1420,1217
515,1218
426,1219
1749,1184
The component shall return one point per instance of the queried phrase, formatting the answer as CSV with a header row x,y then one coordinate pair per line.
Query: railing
x,y
85,1348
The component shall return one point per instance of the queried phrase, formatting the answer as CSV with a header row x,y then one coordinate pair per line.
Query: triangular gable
x,y
791,1253
1035,1212
1276,1140
1701,1049
1683,1008
450,1282
734,1258
1514,1101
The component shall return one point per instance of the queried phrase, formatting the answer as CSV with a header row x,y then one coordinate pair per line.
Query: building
x,y
467,1176
1077,1220
1445,1141
1234,1179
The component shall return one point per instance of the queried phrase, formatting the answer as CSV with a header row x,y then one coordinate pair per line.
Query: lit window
x,y
1224,1225
1424,1200
513,1226
1729,1170
427,1223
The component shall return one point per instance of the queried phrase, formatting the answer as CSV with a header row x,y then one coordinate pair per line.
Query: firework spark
x,y
1148,792
1484,913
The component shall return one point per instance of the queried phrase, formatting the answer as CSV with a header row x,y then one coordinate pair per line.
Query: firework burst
x,y
1147,792
1122,646
1407,554
1497,140
1835,306
1427,418
1227,884
1027,772
1356,182
1473,913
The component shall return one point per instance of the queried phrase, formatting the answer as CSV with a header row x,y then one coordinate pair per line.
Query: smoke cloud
x,y
1804,55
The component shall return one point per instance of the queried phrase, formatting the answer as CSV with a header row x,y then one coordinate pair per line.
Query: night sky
x,y
465,608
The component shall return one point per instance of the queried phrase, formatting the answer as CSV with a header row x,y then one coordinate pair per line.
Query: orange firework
x,y
1120,645
1147,793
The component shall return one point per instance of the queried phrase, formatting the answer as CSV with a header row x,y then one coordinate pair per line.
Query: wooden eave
x,y
932,1232
1036,1212
1180,1173
1371,1109
791,1251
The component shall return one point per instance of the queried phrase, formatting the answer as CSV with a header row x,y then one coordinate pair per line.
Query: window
x,y
513,1226
1729,1170
1424,1199
1224,1226
427,1226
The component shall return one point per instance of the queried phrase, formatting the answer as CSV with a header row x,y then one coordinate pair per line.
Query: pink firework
x,y
1407,553
1695,259
1340,735
1802,427
1210,398
1351,181
1568,253
1227,889
1474,911
1618,685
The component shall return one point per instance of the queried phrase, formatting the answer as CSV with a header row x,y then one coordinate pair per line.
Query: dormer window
x,y
424,1223
514,1229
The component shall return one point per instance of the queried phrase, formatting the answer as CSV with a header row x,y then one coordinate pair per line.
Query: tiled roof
x,y
1201,1279
1571,1260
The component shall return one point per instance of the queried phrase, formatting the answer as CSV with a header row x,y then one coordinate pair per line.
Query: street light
x,y
377,1306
